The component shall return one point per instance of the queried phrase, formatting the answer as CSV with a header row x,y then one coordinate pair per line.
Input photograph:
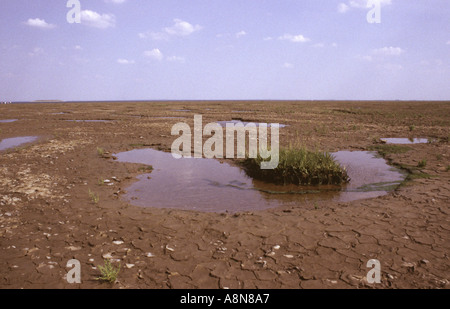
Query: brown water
x,y
405,140
16,141
211,186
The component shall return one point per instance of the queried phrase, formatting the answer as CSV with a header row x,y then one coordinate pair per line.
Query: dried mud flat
x,y
47,217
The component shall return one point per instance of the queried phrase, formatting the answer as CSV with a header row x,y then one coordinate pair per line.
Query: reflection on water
x,y
224,123
16,141
405,140
208,185
8,120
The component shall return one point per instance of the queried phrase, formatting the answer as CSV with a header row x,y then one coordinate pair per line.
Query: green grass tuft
x,y
108,272
146,169
422,163
299,166
94,197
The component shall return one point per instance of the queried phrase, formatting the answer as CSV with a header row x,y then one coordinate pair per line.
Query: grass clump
x,y
422,163
100,151
94,197
146,169
299,166
108,272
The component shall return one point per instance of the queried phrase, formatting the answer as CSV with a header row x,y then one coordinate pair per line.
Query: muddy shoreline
x,y
48,218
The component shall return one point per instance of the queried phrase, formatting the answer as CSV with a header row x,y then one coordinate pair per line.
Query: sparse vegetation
x,y
412,127
94,197
108,272
422,163
101,182
299,166
146,169
101,152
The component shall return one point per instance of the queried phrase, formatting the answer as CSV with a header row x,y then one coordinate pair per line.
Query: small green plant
x,y
94,197
412,127
108,272
422,163
100,152
146,169
448,168
316,206
101,182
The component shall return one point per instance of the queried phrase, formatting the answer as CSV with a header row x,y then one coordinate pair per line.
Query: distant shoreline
x,y
212,101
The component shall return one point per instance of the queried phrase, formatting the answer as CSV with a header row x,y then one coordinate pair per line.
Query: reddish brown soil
x,y
48,218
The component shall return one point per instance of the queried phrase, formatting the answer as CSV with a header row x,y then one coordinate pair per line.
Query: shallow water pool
x,y
211,186
8,143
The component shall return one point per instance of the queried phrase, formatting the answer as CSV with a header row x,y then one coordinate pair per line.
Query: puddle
x,y
405,140
8,120
168,117
181,110
224,123
16,141
210,186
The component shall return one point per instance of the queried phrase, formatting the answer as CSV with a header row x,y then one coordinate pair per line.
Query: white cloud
x,y
388,51
78,47
39,23
269,38
448,43
96,20
125,61
294,38
364,4
288,65
240,34
342,8
359,4
182,28
154,54
115,1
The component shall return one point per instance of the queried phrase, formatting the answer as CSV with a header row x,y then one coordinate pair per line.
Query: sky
x,y
224,50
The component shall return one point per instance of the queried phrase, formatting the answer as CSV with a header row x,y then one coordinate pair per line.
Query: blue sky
x,y
224,49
